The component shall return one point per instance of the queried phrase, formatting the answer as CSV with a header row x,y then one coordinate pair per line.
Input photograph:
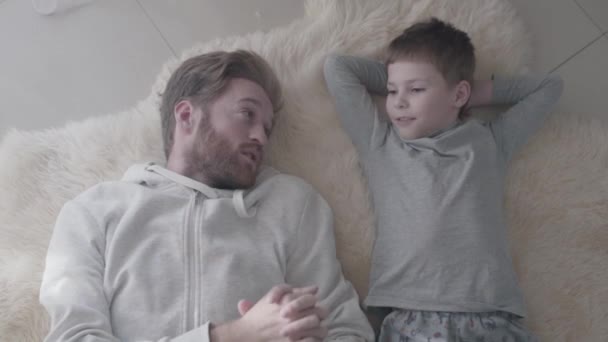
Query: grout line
x,y
577,53
156,27
587,15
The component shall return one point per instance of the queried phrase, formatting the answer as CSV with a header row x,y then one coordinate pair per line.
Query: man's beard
x,y
219,163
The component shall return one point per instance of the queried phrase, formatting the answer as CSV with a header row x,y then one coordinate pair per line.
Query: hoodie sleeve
x,y
313,261
72,289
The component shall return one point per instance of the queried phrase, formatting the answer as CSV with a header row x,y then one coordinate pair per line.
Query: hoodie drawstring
x,y
238,196
239,205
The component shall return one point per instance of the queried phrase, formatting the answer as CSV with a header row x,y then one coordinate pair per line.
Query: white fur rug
x,y
557,195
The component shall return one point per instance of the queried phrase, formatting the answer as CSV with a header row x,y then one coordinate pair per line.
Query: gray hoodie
x,y
157,256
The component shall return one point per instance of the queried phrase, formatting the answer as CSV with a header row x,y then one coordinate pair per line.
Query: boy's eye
x,y
417,90
392,92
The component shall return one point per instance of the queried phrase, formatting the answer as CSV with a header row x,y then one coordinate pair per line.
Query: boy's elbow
x,y
332,63
333,71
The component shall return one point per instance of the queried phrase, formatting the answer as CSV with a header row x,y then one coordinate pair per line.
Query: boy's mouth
x,y
404,120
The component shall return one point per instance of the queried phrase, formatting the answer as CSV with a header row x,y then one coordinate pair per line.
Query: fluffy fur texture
x,y
557,197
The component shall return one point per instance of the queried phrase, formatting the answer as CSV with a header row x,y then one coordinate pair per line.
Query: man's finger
x,y
277,292
306,290
298,292
244,306
318,334
296,328
319,311
287,298
299,304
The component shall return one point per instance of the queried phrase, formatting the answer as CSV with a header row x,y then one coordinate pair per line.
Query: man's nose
x,y
258,133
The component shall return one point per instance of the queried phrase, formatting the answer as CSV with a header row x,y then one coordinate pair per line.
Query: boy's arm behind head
x,y
534,98
351,81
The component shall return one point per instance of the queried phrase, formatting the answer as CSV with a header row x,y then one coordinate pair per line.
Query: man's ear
x,y
185,119
462,93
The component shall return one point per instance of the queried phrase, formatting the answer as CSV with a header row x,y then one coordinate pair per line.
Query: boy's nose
x,y
401,103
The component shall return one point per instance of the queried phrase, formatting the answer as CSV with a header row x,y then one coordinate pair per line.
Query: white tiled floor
x,y
89,61
572,44
597,11
554,40
103,57
184,23
586,77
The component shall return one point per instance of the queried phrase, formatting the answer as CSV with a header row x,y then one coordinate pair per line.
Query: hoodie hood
x,y
244,200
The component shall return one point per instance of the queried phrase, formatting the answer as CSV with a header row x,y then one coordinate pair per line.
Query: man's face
x,y
420,101
228,146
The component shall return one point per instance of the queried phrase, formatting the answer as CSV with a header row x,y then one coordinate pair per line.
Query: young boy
x,y
441,264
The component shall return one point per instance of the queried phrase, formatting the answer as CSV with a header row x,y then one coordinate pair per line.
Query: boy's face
x,y
420,101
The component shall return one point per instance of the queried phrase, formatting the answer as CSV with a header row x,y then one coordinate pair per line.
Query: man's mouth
x,y
252,157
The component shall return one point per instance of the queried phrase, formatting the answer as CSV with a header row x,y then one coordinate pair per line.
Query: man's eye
x,y
417,90
392,92
247,113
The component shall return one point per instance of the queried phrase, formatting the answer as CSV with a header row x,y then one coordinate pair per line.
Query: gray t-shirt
x,y
441,242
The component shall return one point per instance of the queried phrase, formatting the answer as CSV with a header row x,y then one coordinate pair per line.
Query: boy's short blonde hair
x,y
449,49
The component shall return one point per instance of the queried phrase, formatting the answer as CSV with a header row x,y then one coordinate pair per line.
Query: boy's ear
x,y
462,93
